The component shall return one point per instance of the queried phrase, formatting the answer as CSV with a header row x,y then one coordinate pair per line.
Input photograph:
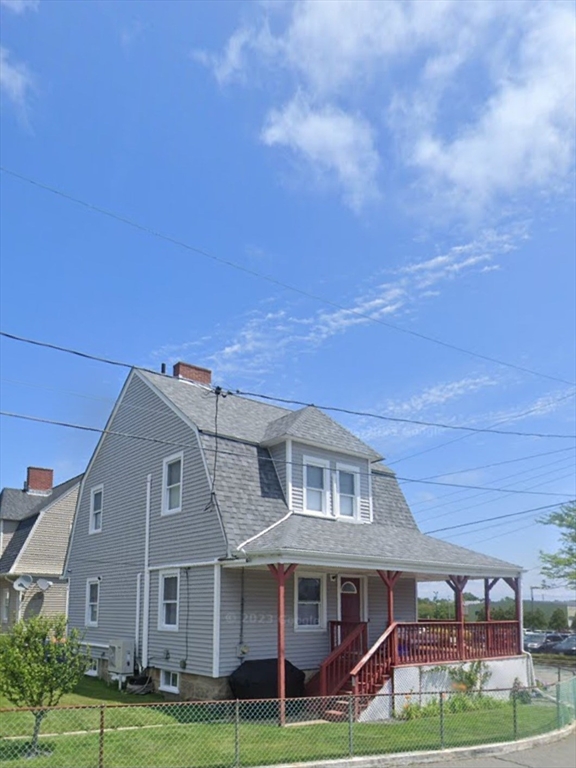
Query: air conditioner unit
x,y
121,656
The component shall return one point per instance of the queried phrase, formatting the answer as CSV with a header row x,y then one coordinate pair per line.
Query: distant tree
x,y
39,663
470,597
562,564
498,613
535,619
558,619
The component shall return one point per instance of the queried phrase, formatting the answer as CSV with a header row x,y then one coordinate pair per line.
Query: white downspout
x,y
137,622
146,617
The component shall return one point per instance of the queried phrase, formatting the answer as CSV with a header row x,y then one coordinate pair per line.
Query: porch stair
x,y
352,670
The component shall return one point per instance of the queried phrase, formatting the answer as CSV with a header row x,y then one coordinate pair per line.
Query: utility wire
x,y
273,280
488,519
289,401
219,451
464,437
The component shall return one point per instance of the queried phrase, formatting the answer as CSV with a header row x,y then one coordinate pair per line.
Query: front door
x,y
350,604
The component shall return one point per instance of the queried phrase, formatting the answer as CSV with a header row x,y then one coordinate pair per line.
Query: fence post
x,y
442,734
558,707
351,725
237,733
515,714
101,737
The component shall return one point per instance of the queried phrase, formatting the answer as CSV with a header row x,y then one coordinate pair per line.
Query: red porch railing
x,y
429,642
339,631
335,669
375,666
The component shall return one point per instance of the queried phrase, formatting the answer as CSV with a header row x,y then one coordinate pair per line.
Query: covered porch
x,y
359,664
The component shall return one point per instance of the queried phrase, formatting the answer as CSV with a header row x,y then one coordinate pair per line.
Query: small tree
x,y
39,663
535,619
562,564
558,619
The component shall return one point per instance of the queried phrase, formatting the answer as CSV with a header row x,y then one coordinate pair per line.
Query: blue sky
x,y
398,163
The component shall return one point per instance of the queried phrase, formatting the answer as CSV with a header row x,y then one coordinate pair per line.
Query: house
x,y
35,525
213,529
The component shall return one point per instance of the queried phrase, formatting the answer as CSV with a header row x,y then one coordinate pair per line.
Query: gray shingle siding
x,y
278,454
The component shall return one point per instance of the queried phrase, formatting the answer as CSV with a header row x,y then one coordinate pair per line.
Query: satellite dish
x,y
44,584
23,582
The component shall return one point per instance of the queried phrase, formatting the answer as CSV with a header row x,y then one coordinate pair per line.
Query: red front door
x,y
350,605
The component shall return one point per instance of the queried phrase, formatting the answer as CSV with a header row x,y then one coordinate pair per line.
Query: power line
x,y
464,437
273,280
488,519
69,425
335,409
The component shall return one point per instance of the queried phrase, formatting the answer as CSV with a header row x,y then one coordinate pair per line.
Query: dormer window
x,y
316,486
348,492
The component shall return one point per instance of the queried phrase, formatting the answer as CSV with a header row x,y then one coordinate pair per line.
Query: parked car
x,y
552,640
533,640
567,647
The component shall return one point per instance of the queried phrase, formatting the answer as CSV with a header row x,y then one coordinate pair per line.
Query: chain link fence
x,y
239,734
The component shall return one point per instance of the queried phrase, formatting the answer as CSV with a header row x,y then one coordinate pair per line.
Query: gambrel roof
x,y
254,512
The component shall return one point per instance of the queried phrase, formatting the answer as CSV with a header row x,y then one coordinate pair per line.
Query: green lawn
x,y
171,742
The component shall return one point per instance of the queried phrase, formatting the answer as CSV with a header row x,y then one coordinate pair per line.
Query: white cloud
x,y
477,97
15,80
331,141
20,6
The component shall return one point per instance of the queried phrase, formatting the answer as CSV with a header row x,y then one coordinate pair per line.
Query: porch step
x,y
335,715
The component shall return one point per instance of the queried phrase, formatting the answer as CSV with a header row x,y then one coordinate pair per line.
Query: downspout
x,y
146,611
137,622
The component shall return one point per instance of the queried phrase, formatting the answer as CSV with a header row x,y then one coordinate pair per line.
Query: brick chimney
x,y
193,373
39,480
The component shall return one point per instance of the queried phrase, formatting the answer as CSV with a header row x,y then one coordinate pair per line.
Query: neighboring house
x,y
212,528
35,525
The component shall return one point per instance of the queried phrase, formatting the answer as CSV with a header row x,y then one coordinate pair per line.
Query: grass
x,y
171,742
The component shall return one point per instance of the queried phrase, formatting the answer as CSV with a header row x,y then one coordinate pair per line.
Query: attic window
x,y
316,484
172,484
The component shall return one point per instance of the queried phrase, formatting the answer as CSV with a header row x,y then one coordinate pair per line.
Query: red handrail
x,y
335,669
372,669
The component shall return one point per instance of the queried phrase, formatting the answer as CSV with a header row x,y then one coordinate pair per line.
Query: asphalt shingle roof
x,y
16,543
250,497
16,504
310,421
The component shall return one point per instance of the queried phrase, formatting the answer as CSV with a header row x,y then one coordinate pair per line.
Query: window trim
x,y
351,470
162,627
322,612
164,510
169,688
93,491
323,464
87,620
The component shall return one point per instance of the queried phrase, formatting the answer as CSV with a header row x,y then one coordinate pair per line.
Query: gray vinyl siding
x,y
404,604
193,642
304,649
299,451
52,602
278,453
46,546
116,554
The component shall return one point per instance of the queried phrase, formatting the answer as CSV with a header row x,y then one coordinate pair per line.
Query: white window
x,y
5,605
169,681
316,486
348,481
92,600
172,485
92,668
168,600
96,503
310,602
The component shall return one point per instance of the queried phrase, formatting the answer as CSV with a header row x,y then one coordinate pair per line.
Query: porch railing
x,y
339,631
335,669
368,676
426,642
